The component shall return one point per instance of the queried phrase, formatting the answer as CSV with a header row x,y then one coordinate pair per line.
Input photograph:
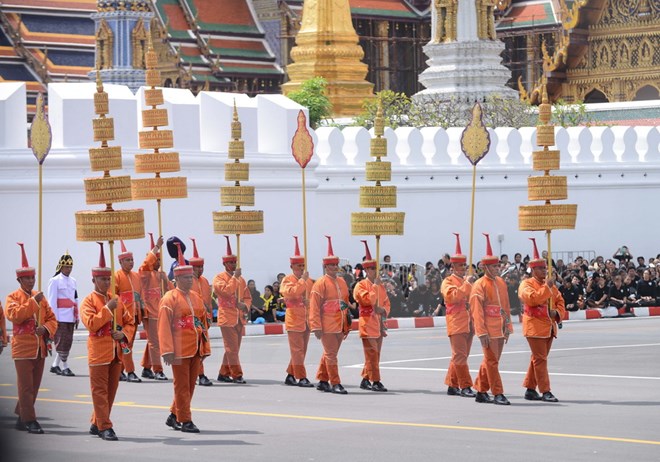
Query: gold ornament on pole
x,y
302,148
475,144
107,225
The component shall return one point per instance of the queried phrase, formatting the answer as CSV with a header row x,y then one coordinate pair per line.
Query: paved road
x,y
606,374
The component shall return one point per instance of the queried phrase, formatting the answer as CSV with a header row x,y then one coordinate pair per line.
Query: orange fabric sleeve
x,y
92,319
19,311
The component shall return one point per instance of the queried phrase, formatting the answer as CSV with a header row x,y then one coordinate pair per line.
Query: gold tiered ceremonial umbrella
x,y
547,187
237,221
378,223
107,225
157,162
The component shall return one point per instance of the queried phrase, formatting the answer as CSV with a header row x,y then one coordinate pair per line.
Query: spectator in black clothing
x,y
419,301
512,283
398,306
641,263
269,304
622,254
630,290
570,294
256,310
597,297
436,300
617,295
647,290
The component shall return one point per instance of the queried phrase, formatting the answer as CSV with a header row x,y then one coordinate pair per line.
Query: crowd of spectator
x,y
613,283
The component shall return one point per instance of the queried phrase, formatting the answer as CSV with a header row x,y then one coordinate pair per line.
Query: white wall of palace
x,y
613,174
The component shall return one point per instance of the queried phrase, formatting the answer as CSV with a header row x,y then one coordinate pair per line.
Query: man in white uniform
x,y
63,298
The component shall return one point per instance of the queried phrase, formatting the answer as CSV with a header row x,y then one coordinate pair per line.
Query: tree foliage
x,y
570,115
313,95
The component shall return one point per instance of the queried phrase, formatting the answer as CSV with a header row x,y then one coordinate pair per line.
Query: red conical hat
x,y
25,269
489,259
152,243
101,270
368,262
196,260
458,257
230,256
330,259
124,253
182,269
297,259
536,260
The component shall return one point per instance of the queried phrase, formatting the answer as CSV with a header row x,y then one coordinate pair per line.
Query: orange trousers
x,y
151,356
298,342
537,373
231,338
28,379
128,364
458,374
104,381
185,376
488,377
371,369
328,367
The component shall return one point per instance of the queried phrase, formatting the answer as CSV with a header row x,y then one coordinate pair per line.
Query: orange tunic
x,y
23,311
295,292
3,328
101,347
183,326
151,283
489,297
129,289
536,317
202,288
456,293
368,296
226,288
325,313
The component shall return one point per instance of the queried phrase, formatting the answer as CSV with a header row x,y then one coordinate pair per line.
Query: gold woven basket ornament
x,y
237,196
377,196
377,223
159,188
105,159
545,160
547,188
546,217
159,162
238,222
107,190
154,97
236,171
104,129
378,171
545,135
101,103
236,149
109,225
152,77
156,139
378,147
154,117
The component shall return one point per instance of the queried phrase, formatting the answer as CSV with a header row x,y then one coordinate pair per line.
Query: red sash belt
x,y
185,323
28,327
492,311
540,311
65,303
103,331
331,306
294,302
455,308
126,298
366,310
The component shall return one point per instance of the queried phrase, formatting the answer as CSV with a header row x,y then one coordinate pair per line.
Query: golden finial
x,y
545,110
235,124
379,124
475,140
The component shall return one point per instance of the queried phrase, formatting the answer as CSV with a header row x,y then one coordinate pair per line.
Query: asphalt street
x,y
606,374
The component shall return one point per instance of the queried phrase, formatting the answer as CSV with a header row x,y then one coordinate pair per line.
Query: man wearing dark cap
x,y
173,250
63,298
34,322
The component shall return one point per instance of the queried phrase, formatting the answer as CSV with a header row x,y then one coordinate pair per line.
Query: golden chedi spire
x,y
327,46
108,224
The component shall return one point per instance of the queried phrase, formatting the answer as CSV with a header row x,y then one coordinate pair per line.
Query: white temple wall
x,y
613,174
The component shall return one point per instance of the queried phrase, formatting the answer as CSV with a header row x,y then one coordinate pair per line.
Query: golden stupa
x,y
327,46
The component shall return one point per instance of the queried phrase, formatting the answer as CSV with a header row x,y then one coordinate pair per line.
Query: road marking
x,y
6,384
44,389
372,422
82,396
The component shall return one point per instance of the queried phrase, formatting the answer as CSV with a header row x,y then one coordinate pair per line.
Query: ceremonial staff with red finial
x,y
302,148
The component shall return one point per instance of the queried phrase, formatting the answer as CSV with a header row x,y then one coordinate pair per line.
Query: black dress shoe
x,y
108,435
160,376
68,373
20,425
453,391
324,386
377,386
147,373
172,423
122,377
501,399
34,427
549,397
189,427
131,377
365,384
56,370
224,378
305,383
483,398
204,381
94,430
240,380
467,392
532,395
290,380
339,390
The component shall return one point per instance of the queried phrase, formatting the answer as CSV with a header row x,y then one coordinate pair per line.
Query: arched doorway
x,y
596,96
647,92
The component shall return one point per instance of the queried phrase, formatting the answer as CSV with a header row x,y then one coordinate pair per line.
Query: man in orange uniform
x,y
154,285
184,342
543,308
109,324
202,288
295,289
129,288
233,302
374,306
329,320
34,323
491,316
456,290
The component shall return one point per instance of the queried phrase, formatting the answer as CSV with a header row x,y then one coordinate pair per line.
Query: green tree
x,y
570,115
396,109
313,95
